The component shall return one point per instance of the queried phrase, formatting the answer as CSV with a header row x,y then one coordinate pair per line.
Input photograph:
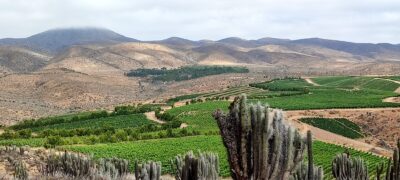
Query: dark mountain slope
x,y
57,40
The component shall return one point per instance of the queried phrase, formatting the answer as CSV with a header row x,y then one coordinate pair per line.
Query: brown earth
x,y
381,125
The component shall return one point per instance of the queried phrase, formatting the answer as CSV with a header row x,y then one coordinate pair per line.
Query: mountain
x,y
235,41
179,42
56,40
360,49
66,70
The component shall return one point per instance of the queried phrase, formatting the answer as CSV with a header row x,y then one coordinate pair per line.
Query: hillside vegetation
x,y
185,72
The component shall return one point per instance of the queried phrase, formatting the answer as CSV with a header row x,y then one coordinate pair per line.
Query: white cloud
x,y
355,20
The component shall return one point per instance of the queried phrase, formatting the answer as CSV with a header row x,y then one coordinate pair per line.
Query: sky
x,y
374,21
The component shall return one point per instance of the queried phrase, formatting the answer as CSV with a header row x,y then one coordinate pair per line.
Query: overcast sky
x,y
351,20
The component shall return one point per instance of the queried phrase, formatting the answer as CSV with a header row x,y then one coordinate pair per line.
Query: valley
x,y
118,97
126,132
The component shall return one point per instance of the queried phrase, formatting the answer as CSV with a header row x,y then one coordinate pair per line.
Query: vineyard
x,y
219,95
334,92
395,78
127,133
122,121
339,126
357,83
165,150
198,116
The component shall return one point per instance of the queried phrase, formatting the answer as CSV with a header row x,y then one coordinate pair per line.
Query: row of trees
x,y
119,136
185,73
119,110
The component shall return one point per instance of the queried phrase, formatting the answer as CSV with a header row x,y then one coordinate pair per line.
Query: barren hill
x,y
65,70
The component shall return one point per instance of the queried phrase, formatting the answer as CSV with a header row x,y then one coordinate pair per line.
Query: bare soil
x,y
152,116
381,125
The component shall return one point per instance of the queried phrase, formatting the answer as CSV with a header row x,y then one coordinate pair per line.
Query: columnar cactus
x,y
79,166
148,171
20,170
190,167
260,144
308,171
345,168
393,170
107,169
121,165
302,172
69,164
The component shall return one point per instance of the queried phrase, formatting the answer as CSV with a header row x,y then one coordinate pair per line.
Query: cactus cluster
x,y
14,149
307,170
70,164
260,145
20,170
84,167
148,171
189,167
393,168
345,167
120,165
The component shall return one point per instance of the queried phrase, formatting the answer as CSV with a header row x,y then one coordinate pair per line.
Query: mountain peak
x,y
55,40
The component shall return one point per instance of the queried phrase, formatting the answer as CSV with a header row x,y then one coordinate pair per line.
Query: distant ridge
x,y
55,40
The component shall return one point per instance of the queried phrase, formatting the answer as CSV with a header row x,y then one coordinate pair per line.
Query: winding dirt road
x,y
310,81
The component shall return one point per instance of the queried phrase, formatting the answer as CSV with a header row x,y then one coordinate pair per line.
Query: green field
x,y
122,121
166,149
339,126
198,116
395,78
369,83
334,92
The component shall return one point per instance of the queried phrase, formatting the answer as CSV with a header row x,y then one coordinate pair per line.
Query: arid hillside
x,y
69,70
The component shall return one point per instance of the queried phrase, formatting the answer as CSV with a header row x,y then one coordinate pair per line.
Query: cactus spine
x,y
148,171
190,167
345,168
260,145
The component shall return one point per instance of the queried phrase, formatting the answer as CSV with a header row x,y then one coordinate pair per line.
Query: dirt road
x,y
152,116
310,81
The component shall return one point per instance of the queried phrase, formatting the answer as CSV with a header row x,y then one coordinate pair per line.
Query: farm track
x,y
310,81
392,99
152,117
